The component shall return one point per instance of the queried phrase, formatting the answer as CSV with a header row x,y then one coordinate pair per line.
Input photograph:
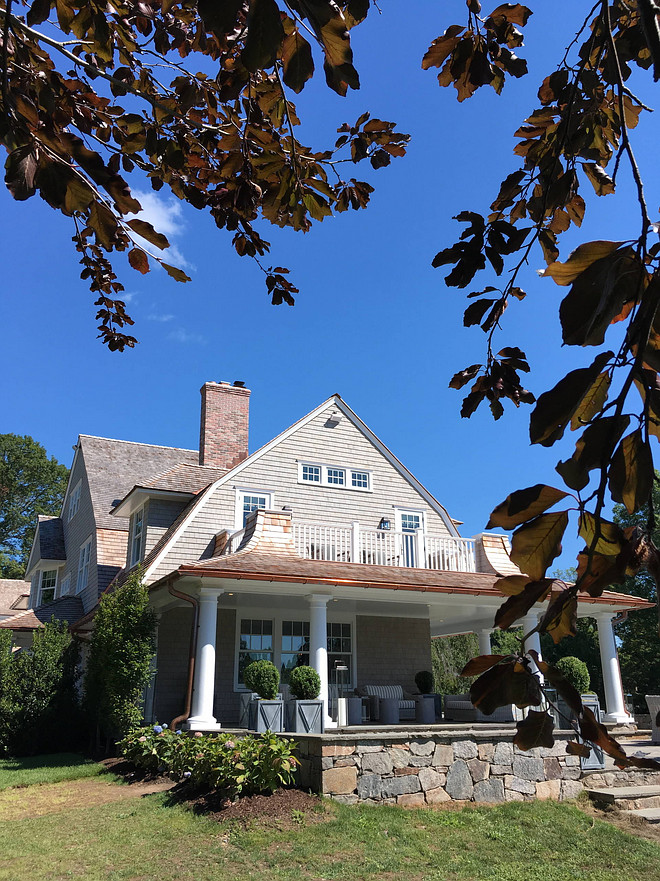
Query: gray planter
x,y
425,709
305,717
266,715
245,698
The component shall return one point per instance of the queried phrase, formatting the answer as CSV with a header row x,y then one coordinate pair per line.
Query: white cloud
x,y
156,317
128,297
165,215
184,336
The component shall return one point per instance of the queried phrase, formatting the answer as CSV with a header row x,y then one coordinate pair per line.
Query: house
x,y
320,547
14,597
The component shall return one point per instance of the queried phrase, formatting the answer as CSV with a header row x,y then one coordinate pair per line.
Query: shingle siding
x,y
377,661
277,472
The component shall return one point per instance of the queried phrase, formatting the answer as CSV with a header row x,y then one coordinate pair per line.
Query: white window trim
x,y
41,584
398,511
86,544
242,491
74,498
134,560
266,614
65,586
347,469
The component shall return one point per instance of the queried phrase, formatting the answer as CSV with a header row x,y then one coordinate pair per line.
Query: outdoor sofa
x,y
459,708
377,693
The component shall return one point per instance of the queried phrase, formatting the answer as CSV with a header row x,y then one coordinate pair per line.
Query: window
x,y
65,586
334,475
256,643
295,647
137,536
311,473
340,652
74,500
249,500
47,586
83,566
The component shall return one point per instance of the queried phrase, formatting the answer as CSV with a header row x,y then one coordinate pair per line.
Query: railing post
x,y
355,541
420,550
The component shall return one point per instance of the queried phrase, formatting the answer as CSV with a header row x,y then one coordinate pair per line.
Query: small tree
x,y
119,663
39,709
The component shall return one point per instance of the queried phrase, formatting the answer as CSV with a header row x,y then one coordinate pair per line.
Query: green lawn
x,y
46,769
146,838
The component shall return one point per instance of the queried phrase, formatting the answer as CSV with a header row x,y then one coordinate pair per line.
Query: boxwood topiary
x,y
424,681
575,671
262,677
305,683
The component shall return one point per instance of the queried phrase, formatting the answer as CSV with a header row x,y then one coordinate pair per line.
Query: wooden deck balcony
x,y
378,547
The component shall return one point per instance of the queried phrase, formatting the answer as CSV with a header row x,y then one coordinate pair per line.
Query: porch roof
x,y
287,568
65,608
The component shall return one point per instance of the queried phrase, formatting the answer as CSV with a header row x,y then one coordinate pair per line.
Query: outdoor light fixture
x,y
384,523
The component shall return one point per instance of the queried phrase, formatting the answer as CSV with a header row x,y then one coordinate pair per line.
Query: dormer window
x,y
137,537
74,500
47,585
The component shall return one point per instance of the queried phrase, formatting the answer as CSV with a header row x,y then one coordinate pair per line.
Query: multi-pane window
x,y
47,586
311,473
336,476
74,500
295,647
255,644
410,522
340,653
65,587
137,537
83,566
249,501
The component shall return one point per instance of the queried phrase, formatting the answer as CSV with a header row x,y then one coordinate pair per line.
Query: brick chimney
x,y
223,435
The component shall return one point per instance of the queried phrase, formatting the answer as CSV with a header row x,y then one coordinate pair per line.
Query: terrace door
x,y
408,523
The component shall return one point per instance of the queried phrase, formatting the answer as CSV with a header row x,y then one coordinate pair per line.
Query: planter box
x,y
305,717
266,715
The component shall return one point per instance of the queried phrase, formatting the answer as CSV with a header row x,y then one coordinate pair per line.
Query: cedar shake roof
x,y
114,467
186,478
67,609
51,538
282,566
14,593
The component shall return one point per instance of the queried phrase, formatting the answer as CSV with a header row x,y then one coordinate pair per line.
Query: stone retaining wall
x,y
426,767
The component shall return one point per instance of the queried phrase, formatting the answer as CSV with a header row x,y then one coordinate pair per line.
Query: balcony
x,y
378,547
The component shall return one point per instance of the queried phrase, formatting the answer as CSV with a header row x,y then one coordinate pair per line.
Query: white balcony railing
x,y
378,547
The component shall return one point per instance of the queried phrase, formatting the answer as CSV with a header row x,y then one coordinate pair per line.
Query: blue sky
x,y
373,321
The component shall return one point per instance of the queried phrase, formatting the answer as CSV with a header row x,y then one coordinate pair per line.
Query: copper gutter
x,y
615,599
192,652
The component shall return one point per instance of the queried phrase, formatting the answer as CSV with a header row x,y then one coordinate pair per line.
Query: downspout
x,y
192,652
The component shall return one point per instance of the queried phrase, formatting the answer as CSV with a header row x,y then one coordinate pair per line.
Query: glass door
x,y
408,524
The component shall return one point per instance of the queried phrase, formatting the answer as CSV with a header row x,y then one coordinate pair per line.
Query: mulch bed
x,y
284,806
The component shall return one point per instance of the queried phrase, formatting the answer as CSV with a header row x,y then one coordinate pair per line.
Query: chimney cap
x,y
239,383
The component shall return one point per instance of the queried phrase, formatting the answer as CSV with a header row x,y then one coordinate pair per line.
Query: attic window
x,y
74,500
334,476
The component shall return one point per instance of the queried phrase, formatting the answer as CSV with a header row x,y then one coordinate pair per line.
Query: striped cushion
x,y
394,692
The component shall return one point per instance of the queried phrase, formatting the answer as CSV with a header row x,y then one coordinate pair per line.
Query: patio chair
x,y
377,693
459,708
653,703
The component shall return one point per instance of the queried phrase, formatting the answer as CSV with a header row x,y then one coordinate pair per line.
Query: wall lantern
x,y
384,523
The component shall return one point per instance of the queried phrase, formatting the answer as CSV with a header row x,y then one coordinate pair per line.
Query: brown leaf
x,y
146,230
138,260
503,685
582,257
603,572
631,472
519,604
515,13
611,539
534,730
441,48
564,688
174,272
523,505
574,748
592,403
560,619
601,181
477,666
536,544
511,585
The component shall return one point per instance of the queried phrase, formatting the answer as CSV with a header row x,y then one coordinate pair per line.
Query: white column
x,y
609,659
484,641
529,622
204,687
318,646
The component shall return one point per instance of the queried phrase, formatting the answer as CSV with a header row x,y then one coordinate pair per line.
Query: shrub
x,y
39,709
305,683
424,681
120,655
262,677
575,671
236,766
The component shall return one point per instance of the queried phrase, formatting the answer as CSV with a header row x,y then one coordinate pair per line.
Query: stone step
x,y
651,815
628,797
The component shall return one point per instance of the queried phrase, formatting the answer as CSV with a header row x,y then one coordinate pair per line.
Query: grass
x,y
46,769
148,838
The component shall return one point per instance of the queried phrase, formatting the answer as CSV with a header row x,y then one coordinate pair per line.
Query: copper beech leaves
x,y
509,682
631,472
534,730
520,603
536,544
477,666
524,504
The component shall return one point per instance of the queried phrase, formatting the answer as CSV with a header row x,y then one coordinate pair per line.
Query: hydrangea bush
x,y
247,765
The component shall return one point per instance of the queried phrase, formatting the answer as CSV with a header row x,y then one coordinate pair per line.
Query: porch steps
x,y
642,801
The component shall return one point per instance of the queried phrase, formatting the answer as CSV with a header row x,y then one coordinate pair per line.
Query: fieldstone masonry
x,y
417,768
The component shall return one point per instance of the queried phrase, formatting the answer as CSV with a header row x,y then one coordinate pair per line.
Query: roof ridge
x,y
117,440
